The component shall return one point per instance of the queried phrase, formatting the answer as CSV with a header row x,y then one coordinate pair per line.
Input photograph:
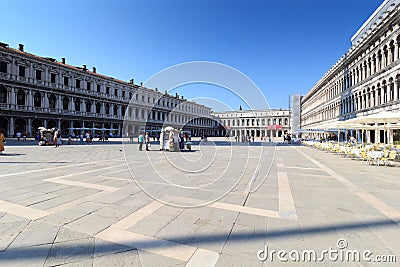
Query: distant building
x,y
254,123
38,91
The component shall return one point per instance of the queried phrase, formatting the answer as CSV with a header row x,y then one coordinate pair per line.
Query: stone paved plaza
x,y
112,205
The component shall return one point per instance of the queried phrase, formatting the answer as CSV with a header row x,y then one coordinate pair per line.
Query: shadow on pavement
x,y
38,251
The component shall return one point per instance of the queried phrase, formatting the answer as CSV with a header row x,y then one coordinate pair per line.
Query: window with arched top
x,y
21,97
77,104
89,106
52,101
65,103
115,110
3,94
37,100
107,108
98,107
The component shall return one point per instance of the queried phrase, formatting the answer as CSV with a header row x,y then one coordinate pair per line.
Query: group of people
x,y
243,138
287,138
170,140
144,140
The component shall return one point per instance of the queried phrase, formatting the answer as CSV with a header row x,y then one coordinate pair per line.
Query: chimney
x,y
131,81
21,47
94,69
63,60
182,97
141,84
84,68
156,89
176,95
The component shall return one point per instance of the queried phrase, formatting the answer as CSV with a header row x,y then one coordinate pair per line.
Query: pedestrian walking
x,y
87,138
2,141
181,140
57,138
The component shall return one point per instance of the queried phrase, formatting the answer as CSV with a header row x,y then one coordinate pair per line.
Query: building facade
x,y
37,91
254,123
364,81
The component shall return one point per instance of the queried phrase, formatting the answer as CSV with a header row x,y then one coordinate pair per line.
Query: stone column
x,y
83,106
45,123
71,125
396,90
59,125
396,51
72,104
29,133
46,101
12,100
11,127
59,103
30,100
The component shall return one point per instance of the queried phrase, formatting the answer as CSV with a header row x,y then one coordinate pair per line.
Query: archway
x,y
4,125
20,126
65,125
37,100
51,124
3,94
21,97
36,123
77,124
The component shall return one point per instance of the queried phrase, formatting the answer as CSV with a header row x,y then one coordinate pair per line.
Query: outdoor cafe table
x,y
356,151
376,156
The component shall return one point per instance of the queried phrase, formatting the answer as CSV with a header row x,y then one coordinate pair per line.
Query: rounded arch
x,y
37,100
65,102
36,123
65,128
21,97
4,125
77,104
52,101
3,94
20,125
77,124
88,106
98,107
51,124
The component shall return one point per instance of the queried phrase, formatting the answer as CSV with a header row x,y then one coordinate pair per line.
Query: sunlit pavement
x,y
80,206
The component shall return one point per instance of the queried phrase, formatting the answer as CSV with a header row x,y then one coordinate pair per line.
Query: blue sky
x,y
283,46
